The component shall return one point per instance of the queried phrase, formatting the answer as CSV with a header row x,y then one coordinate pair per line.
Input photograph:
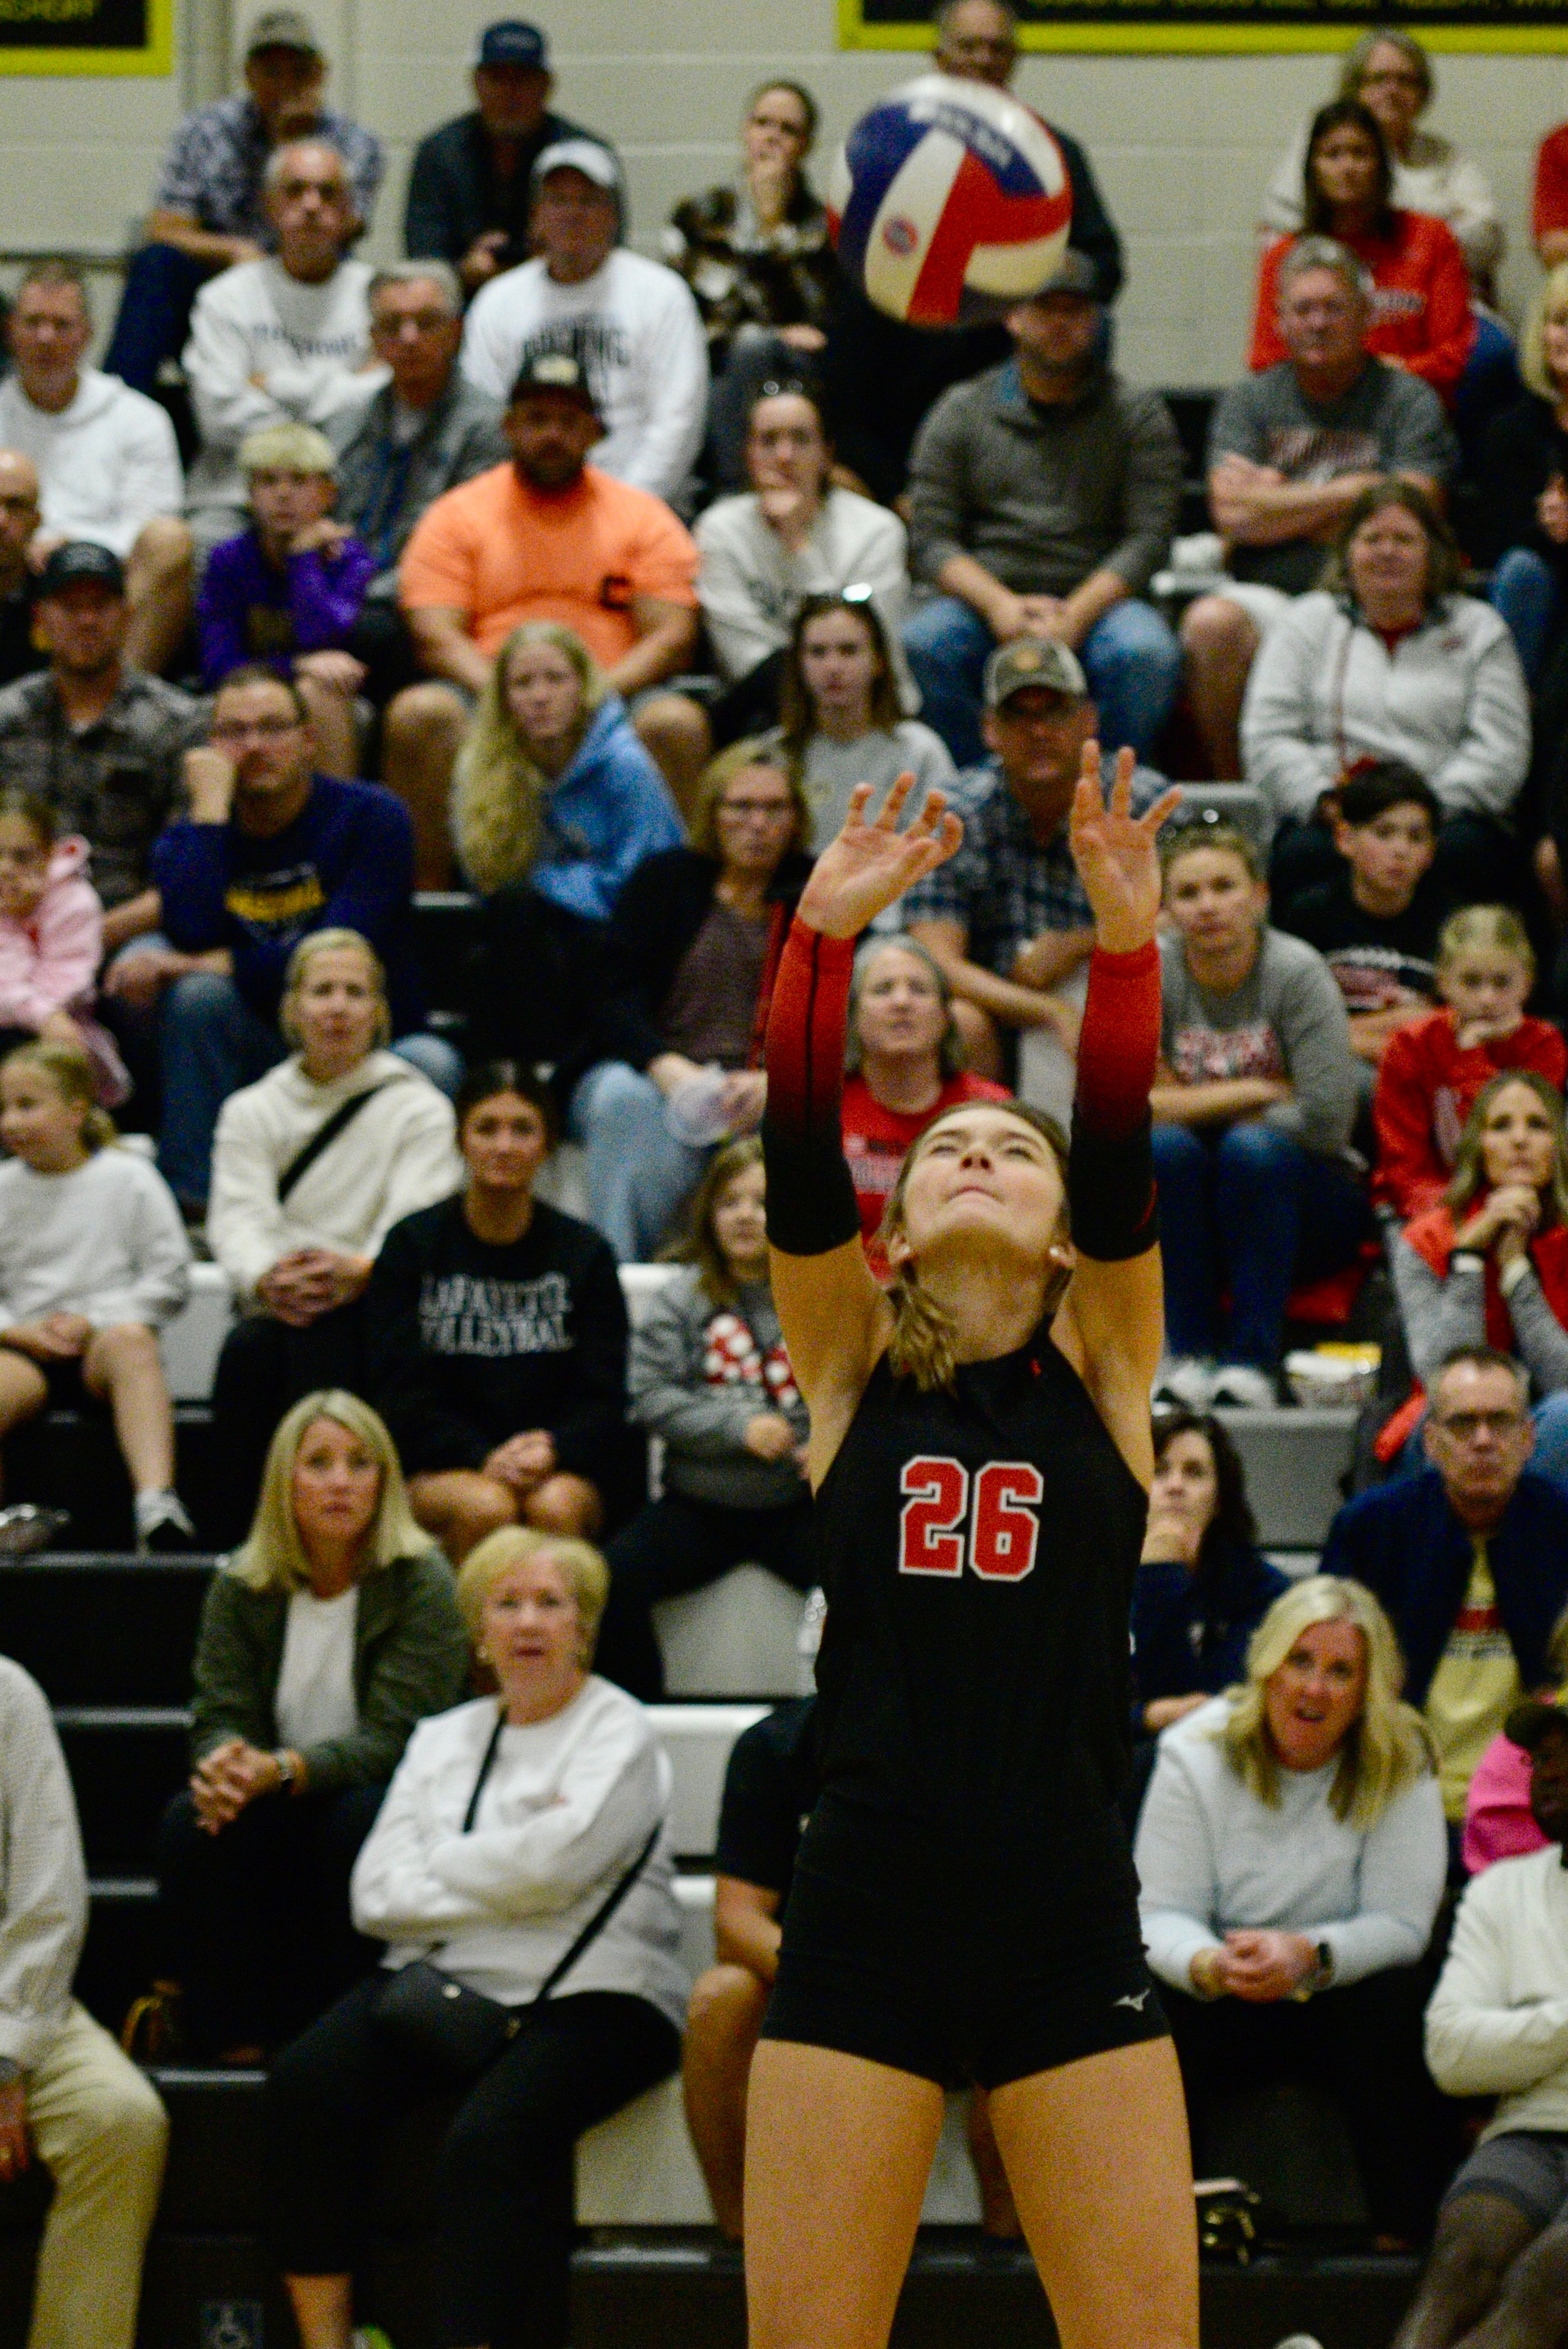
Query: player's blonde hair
x,y
923,1346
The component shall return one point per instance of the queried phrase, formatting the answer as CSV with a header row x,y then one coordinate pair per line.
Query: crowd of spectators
x,y
595,583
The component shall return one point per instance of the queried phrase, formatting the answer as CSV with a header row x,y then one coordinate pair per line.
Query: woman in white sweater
x,y
311,1168
1387,661
93,1260
1292,1853
506,1833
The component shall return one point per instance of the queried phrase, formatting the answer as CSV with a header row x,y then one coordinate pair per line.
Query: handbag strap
x,y
325,1135
484,1769
598,1921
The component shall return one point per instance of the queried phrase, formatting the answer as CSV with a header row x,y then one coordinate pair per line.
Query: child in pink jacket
x,y
51,942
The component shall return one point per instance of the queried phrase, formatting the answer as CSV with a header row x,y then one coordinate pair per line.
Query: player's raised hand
x,y
869,864
1114,853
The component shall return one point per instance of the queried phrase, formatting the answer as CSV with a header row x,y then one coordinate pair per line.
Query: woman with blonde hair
x,y
522,1859
554,804
311,1168
1488,1265
94,1260
323,1638
1291,1854
673,1046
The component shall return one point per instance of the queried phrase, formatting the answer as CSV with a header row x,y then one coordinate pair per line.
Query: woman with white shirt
x,y
1388,661
520,1829
1292,1853
311,1168
793,534
323,1641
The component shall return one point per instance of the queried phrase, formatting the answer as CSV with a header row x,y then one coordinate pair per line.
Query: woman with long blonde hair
x,y
1291,1854
554,804
964,1905
326,1637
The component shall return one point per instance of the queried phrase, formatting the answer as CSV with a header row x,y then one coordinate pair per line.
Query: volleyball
x,y
949,202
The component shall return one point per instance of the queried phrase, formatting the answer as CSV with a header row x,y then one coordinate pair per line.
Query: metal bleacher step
x,y
125,1762
1294,1462
104,1628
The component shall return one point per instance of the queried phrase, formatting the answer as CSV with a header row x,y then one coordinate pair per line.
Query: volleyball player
x,y
963,1906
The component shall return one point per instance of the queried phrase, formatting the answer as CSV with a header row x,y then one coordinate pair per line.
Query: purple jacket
x,y
246,611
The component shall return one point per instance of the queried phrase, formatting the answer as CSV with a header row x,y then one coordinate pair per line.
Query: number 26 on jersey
x,y
987,1520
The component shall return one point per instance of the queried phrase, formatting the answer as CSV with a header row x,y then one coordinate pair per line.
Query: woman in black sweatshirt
x,y
496,1336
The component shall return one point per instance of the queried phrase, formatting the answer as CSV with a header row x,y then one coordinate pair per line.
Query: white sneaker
x,y
1183,1382
1245,1389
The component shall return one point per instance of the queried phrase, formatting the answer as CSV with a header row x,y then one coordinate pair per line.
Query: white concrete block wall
x,y
1182,144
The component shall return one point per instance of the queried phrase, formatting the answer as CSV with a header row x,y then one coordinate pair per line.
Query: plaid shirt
x,y
212,171
117,783
1002,888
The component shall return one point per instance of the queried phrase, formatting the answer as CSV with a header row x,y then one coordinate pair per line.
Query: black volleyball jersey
x,y
978,1551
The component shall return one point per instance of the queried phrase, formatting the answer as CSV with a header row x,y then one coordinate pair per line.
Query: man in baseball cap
x,y
1007,917
209,211
471,186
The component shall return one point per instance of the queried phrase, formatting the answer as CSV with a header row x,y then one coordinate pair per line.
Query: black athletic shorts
x,y
911,1968
63,1381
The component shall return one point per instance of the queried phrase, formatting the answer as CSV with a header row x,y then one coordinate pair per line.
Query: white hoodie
x,y
266,350
399,1155
107,464
634,329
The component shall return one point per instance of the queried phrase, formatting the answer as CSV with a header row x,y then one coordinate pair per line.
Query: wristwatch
x,y
1318,1976
287,1769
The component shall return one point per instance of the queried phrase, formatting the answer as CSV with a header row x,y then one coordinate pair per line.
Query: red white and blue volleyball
x,y
948,202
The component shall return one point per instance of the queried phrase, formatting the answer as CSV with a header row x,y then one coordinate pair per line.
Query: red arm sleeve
x,y
811,1197
1110,1166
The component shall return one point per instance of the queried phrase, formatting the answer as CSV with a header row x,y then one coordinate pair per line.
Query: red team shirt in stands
x,y
1420,301
1426,1088
875,1140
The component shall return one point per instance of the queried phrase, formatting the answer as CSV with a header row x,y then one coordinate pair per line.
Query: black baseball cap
x,y
80,559
558,372
512,43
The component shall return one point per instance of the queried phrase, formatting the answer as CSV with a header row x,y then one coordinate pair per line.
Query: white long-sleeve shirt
x,y
751,585
107,465
1498,2021
105,1240
307,347
43,1877
1449,701
634,329
399,1155
1432,178
569,1804
1212,1859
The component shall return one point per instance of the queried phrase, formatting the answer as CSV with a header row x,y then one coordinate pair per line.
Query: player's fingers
x,y
1162,810
893,805
927,823
1121,786
1089,769
859,798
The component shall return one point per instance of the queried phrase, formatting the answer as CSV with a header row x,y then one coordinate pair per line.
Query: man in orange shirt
x,y
547,537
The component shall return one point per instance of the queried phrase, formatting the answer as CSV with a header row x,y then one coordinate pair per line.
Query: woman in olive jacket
x,y
324,1640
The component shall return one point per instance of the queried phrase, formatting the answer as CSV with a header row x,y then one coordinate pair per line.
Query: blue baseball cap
x,y
512,43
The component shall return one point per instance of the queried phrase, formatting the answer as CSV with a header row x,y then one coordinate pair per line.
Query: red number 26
x,y
937,1523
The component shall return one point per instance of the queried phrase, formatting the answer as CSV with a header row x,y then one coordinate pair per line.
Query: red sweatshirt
x,y
1420,302
1426,1089
876,1142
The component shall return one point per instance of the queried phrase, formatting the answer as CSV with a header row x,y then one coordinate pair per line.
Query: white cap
x,y
585,155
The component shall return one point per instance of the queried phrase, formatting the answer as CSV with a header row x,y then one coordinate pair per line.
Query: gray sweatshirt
x,y
696,1373
1441,1313
1287,1019
1044,496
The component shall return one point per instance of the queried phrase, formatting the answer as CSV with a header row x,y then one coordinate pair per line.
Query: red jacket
x,y
1426,1088
1550,209
1420,303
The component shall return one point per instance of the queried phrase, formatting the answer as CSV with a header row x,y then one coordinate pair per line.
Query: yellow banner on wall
x,y
1235,26
86,36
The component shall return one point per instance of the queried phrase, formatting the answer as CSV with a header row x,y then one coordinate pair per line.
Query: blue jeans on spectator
x,y
639,1176
1247,1209
1524,591
212,1043
1130,658
154,321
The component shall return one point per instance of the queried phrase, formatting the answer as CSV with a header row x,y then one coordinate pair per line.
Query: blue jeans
x,y
1246,1209
1130,658
154,320
210,1044
1524,591
639,1176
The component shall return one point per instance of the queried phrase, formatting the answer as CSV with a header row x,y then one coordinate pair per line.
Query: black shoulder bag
x,y
325,1135
455,2032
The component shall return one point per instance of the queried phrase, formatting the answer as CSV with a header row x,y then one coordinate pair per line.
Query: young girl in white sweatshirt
x,y
93,1259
